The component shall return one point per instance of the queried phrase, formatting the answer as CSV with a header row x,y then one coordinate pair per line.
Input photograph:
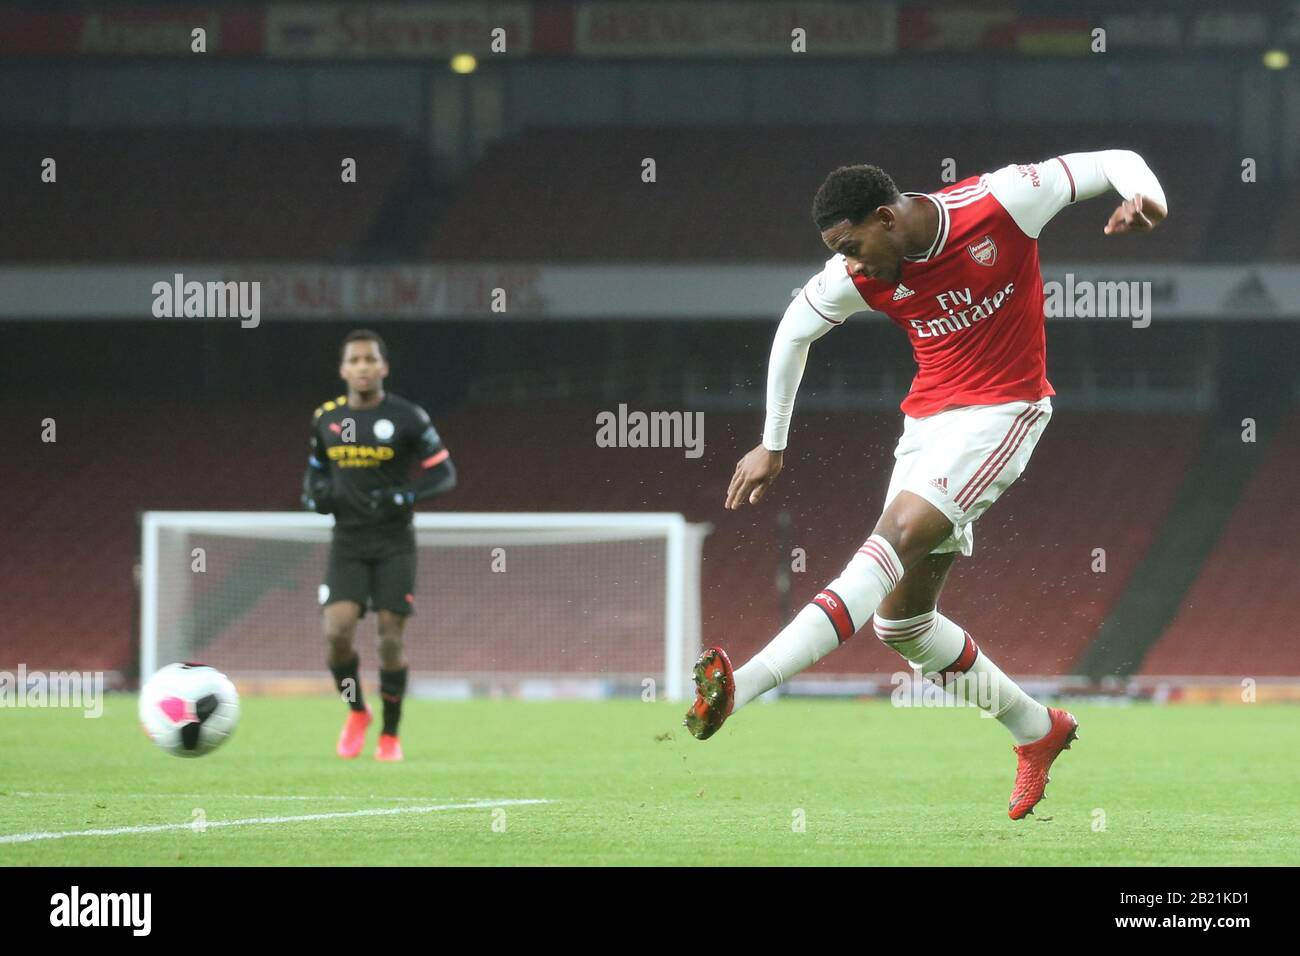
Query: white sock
x,y
939,648
832,617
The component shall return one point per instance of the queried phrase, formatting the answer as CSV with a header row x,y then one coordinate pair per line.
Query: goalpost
x,y
532,605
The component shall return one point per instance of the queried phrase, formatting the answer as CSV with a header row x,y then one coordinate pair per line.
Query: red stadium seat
x,y
1029,595
1239,617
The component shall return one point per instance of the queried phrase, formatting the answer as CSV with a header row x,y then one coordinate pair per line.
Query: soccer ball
x,y
189,709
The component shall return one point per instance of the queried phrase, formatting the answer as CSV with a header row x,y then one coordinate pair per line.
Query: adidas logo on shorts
x,y
940,483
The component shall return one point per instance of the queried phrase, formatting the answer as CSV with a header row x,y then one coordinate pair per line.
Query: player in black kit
x,y
363,446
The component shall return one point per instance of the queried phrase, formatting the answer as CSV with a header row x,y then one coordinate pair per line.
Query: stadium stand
x,y
1286,238
215,195
567,189
1031,596
1238,618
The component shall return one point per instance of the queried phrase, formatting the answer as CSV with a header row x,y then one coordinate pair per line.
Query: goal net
x,y
531,605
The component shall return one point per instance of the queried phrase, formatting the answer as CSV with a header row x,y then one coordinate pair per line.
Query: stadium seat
x,y
1239,617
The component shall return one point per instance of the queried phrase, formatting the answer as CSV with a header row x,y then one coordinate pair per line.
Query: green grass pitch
x,y
803,782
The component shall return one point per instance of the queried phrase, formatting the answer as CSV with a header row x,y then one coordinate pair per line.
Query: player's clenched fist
x,y
754,473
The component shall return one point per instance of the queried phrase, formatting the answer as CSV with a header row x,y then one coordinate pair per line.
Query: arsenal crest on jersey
x,y
985,252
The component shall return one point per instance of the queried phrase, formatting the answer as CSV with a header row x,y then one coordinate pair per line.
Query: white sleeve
x,y
825,301
1035,192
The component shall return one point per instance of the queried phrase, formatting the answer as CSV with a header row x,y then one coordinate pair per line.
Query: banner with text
x,y
730,28
540,291
130,31
397,30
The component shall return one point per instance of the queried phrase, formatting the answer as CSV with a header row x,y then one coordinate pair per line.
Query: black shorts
x,y
372,569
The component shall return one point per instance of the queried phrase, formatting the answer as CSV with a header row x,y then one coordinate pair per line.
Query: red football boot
x,y
1035,760
715,694
389,748
353,736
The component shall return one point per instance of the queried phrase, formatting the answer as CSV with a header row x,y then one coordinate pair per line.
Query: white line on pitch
x,y
99,795
253,821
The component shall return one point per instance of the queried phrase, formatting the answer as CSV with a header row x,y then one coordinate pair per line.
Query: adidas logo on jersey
x,y
940,483
902,292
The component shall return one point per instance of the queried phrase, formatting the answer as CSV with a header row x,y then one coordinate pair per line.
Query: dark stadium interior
x,y
191,418
516,434
158,170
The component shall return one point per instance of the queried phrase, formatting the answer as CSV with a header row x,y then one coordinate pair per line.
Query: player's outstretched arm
x,y
1144,206
823,303
1035,192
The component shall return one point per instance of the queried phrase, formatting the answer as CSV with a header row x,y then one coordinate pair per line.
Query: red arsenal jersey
x,y
972,305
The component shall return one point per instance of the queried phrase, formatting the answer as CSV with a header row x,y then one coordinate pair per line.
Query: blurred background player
x,y
363,446
958,270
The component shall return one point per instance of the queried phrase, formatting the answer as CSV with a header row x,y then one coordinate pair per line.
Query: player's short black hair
x,y
363,335
852,193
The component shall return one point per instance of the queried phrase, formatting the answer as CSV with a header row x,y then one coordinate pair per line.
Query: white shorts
x,y
962,459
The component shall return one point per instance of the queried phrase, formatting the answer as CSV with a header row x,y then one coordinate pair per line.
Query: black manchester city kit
x,y
359,471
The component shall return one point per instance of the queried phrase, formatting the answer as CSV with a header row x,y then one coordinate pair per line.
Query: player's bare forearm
x,y
753,476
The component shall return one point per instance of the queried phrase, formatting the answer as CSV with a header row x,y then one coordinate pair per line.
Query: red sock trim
x,y
965,660
833,605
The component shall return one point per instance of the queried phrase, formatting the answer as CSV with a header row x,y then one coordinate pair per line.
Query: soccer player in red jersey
x,y
958,271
